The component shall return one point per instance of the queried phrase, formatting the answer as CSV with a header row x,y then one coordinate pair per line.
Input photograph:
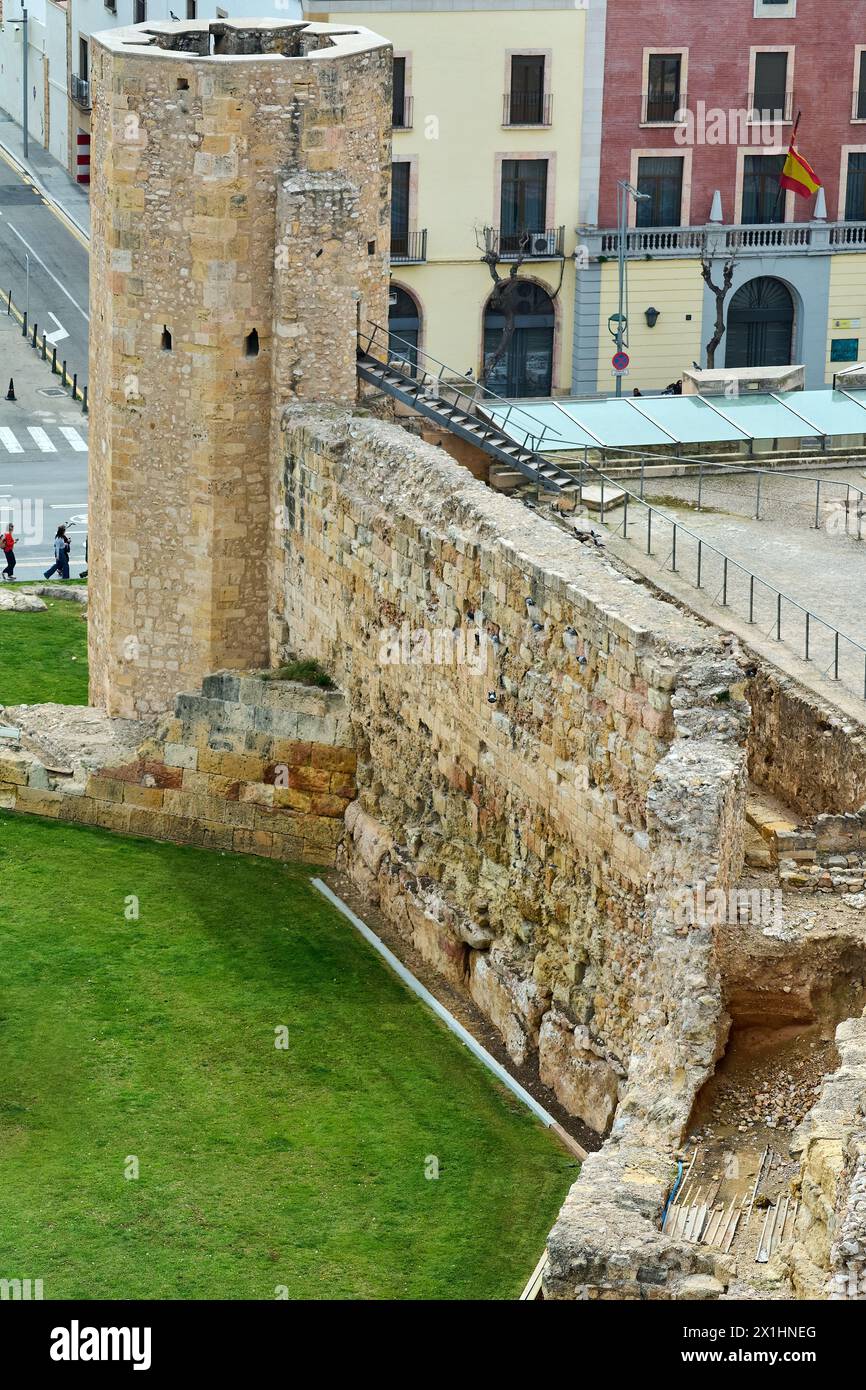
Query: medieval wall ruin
x,y
240,232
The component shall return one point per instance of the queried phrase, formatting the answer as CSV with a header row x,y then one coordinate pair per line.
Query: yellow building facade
x,y
490,100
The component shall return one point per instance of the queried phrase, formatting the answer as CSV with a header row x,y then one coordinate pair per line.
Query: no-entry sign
x,y
620,361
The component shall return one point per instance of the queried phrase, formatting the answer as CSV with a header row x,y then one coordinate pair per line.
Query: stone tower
x,y
240,232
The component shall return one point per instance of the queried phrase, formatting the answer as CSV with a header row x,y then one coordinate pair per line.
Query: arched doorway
x,y
404,325
760,325
526,367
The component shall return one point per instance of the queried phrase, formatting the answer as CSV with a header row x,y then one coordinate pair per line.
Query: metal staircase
x,y
429,387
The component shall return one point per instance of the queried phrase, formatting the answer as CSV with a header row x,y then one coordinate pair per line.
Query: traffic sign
x,y
620,361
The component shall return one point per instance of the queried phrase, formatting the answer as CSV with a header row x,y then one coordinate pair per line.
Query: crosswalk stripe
x,y
9,442
41,439
74,438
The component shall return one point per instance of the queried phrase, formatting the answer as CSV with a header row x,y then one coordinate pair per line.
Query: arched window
x,y
760,325
404,326
523,367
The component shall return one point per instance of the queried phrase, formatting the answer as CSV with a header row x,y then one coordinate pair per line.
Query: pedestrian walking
x,y
62,546
8,546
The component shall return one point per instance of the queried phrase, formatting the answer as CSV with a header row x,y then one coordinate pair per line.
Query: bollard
x,y
84,402
74,385
10,394
24,325
63,373
53,361
44,347
9,303
35,327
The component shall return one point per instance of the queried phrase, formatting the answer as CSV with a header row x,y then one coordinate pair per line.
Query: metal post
x,y
74,385
642,466
778,617
27,284
674,552
26,79
817,502
700,482
725,582
758,500
35,330
24,327
836,656
54,360
44,347
625,518
84,402
623,217
847,505
807,634
601,505
751,598
63,373
649,531
700,545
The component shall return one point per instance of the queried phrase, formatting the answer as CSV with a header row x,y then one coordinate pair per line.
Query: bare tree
x,y
719,292
503,300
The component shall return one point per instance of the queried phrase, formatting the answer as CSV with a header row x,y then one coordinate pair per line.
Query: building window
x,y
400,175
191,9
525,102
83,59
663,87
400,109
760,327
855,189
523,202
404,328
662,179
763,199
139,11
770,100
525,366
860,89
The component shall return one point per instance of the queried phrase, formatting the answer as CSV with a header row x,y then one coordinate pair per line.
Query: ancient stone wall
x,y
250,765
804,751
240,229
521,816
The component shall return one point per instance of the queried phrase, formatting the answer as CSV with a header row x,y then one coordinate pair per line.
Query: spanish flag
x,y
796,174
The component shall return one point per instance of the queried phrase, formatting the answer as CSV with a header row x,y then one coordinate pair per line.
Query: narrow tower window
x,y
166,339
251,344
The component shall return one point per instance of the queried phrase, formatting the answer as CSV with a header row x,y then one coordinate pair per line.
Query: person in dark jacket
x,y
62,546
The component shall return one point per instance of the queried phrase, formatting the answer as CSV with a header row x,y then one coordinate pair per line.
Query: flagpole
x,y
790,147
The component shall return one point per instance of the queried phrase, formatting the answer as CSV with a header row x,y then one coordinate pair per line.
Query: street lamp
x,y
23,22
624,191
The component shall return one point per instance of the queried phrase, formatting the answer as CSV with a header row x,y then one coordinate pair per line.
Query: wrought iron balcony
x,y
408,248
80,91
401,117
770,105
541,245
662,108
527,108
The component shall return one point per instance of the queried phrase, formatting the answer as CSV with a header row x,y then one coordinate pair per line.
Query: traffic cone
x,y
10,394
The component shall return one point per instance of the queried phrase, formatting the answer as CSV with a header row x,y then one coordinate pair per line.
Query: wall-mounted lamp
x,y
652,316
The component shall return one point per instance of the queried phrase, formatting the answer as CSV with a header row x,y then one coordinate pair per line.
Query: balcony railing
x,y
408,248
80,91
858,104
662,108
770,106
401,118
778,238
527,108
542,245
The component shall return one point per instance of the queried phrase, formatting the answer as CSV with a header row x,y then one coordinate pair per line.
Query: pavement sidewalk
x,y
49,176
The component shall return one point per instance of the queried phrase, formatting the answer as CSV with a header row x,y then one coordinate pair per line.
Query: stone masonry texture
x,y
240,216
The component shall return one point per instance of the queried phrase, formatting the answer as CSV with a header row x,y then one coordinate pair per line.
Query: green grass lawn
x,y
43,656
258,1167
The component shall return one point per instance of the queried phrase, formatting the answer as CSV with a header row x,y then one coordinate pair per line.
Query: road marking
x,y
52,276
59,333
40,438
9,442
74,438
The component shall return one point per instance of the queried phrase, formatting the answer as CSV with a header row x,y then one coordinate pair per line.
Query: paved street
x,y
43,457
56,288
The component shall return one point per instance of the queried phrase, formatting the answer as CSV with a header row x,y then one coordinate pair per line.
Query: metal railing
x,y
663,107
531,245
408,247
854,503
80,90
469,396
770,105
401,114
527,108
813,624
